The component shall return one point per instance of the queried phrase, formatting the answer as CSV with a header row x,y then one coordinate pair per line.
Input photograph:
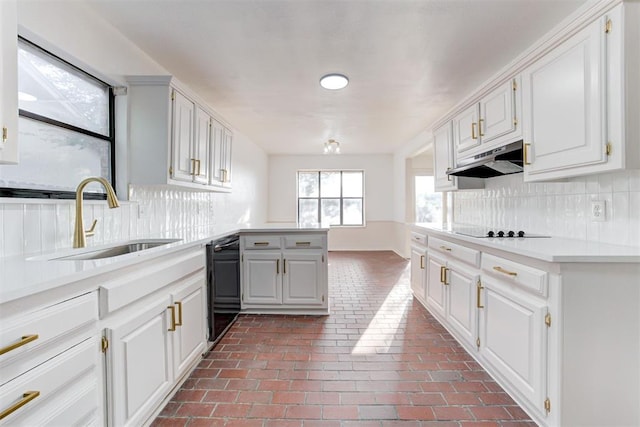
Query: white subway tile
x,y
13,228
31,234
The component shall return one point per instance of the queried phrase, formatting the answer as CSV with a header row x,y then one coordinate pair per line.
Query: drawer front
x,y
303,242
64,391
38,335
532,279
470,256
262,242
418,238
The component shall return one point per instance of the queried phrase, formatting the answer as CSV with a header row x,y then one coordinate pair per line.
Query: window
x,y
331,198
66,128
428,202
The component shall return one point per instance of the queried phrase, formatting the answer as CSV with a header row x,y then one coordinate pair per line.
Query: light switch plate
x,y
598,211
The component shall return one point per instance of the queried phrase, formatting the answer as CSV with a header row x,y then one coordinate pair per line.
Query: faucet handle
x,y
92,230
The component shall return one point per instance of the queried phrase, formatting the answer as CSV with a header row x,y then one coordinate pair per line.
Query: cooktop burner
x,y
485,232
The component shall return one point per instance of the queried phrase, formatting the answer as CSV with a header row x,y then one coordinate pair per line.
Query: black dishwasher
x,y
223,284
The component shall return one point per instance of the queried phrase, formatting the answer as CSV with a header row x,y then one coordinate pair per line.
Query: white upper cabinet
x,y
488,122
173,138
576,98
9,82
443,161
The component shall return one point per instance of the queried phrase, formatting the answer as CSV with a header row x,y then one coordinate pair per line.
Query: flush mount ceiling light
x,y
332,147
334,81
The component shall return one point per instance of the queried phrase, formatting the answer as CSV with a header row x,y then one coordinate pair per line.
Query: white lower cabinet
x,y
513,339
435,294
156,337
284,273
419,265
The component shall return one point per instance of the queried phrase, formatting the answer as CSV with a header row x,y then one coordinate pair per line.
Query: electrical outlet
x,y
598,211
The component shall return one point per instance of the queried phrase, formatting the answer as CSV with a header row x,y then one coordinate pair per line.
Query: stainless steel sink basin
x,y
121,249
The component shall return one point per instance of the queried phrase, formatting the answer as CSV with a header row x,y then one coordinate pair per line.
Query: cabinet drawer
x,y
419,238
44,333
303,242
65,390
532,279
262,242
470,256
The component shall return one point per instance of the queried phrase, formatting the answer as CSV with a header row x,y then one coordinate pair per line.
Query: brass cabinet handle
x,y
444,248
193,167
179,304
480,126
27,397
443,275
173,318
5,134
422,262
448,176
24,340
303,243
198,166
503,271
479,289
525,155
260,243
473,130
284,266
277,266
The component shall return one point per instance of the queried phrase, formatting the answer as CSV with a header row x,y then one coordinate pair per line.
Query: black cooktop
x,y
487,232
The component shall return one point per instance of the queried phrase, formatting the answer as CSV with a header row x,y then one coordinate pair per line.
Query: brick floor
x,y
380,360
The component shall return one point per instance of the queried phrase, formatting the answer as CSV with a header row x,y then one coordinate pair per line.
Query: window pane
x,y
351,184
330,212
51,88
46,150
330,184
307,184
428,202
308,212
352,211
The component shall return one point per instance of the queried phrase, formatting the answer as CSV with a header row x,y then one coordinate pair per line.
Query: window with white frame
x,y
66,128
331,198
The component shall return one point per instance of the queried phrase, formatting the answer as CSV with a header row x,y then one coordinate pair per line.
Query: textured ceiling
x,y
258,63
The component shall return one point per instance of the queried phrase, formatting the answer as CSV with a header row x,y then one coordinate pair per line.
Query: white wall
x,y
379,178
74,32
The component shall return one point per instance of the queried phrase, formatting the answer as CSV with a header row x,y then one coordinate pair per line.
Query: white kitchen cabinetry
x,y
489,122
575,99
9,82
155,325
284,273
419,265
443,160
51,363
222,141
172,139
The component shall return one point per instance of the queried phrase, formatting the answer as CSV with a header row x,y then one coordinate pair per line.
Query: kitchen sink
x,y
120,249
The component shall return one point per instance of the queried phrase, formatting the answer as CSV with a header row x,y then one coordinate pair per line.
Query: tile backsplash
x,y
561,209
29,226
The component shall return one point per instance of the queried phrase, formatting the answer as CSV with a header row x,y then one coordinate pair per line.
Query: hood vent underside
x,y
500,161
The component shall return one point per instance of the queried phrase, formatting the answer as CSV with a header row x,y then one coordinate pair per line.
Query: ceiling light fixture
x,y
332,147
334,81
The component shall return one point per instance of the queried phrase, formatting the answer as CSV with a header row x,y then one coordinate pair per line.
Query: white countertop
x,y
552,249
26,275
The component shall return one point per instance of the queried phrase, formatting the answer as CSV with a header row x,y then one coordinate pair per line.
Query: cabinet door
x,y
465,129
216,154
261,279
226,158
443,158
9,82
182,161
435,298
303,277
139,366
498,113
418,272
462,315
513,338
563,105
202,146
189,338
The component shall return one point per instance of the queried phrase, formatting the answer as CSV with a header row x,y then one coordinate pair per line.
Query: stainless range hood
x,y
499,161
